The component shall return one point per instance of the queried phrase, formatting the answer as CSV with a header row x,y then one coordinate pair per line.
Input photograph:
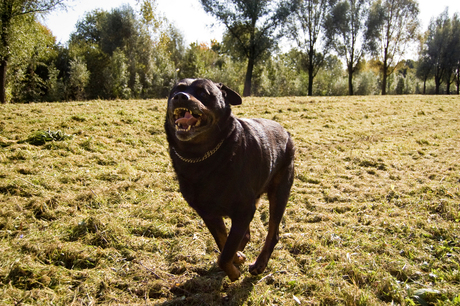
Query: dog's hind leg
x,y
247,236
278,195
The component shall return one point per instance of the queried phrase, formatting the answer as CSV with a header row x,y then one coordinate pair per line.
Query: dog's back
x,y
267,148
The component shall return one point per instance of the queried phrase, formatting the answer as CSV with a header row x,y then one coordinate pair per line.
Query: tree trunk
x,y
437,83
448,82
3,65
248,79
310,71
5,21
350,79
385,69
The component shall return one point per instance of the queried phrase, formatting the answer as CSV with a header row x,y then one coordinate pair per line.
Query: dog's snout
x,y
181,96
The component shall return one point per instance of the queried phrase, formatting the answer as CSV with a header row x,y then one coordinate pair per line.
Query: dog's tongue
x,y
186,121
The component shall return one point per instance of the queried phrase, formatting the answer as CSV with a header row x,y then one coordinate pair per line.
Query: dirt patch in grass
x,y
91,212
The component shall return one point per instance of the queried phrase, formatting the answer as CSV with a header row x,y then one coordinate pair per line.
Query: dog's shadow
x,y
212,288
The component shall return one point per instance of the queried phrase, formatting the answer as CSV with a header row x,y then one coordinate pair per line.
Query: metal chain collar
x,y
205,156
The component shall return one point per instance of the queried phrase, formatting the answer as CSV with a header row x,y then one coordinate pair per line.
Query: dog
x,y
224,164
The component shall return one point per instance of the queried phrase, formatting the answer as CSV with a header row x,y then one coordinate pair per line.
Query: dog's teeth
x,y
188,129
197,124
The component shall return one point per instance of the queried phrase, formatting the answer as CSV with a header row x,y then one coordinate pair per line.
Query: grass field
x,y
91,214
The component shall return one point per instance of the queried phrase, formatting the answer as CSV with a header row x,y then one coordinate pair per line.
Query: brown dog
x,y
224,164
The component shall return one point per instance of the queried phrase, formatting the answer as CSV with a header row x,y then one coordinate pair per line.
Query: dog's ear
x,y
230,96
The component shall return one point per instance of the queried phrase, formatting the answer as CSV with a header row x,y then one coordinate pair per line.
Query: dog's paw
x,y
232,272
239,258
257,268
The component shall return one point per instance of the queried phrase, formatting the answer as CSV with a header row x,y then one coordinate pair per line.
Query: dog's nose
x,y
181,96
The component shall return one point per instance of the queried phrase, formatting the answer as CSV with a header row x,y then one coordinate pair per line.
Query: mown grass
x,y
91,213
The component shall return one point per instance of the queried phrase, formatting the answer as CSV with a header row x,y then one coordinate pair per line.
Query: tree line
x,y
335,48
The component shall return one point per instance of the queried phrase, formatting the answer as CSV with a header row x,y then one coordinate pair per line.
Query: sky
x,y
189,17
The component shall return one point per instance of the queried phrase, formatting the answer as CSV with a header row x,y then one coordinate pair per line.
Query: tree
x,y
117,77
278,76
79,77
436,47
147,11
424,65
330,78
86,42
197,58
32,51
424,70
306,28
391,26
252,24
102,35
452,57
10,12
148,52
456,60
345,28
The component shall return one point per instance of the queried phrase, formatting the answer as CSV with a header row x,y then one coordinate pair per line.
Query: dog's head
x,y
197,108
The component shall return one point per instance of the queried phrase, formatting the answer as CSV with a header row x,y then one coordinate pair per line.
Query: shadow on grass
x,y
212,289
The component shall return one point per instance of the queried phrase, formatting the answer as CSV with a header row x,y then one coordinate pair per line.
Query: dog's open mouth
x,y
187,120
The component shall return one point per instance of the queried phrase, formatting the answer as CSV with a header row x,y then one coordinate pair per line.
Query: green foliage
x,y
33,49
197,59
117,77
79,78
203,60
147,11
278,78
55,85
42,137
14,15
331,80
365,83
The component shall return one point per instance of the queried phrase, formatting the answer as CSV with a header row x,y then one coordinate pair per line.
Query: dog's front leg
x,y
216,226
229,254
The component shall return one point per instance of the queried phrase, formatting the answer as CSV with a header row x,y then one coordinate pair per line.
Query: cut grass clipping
x,y
42,137
91,212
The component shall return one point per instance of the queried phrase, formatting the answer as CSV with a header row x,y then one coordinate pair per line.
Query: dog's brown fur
x,y
224,164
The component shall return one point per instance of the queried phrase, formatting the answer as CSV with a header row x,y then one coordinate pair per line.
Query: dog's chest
x,y
220,189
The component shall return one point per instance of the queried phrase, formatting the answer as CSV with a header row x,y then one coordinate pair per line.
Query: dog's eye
x,y
204,94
